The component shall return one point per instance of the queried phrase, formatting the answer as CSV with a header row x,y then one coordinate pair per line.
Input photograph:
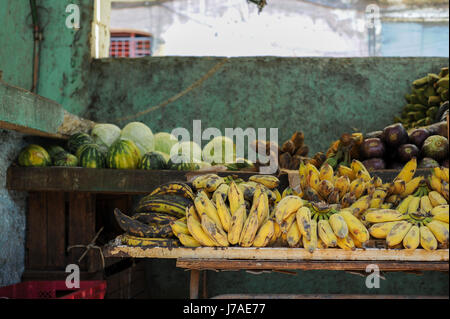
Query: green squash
x,y
123,154
152,160
34,156
91,157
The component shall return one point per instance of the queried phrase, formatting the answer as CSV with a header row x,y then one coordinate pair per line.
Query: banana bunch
x,y
318,225
427,95
421,219
438,181
152,223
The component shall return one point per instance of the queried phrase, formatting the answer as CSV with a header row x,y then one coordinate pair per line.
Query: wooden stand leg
x,y
194,284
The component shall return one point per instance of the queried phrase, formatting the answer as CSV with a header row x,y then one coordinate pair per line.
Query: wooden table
x,y
282,259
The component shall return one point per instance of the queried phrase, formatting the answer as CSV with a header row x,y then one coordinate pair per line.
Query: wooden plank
x,y
94,180
36,234
276,253
56,230
309,265
81,228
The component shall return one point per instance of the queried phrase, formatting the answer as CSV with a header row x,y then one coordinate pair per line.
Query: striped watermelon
x,y
152,160
91,157
123,154
78,139
65,159
184,165
34,156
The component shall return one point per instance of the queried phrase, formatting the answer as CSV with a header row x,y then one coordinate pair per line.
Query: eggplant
x,y
436,147
427,162
372,147
395,135
418,136
374,134
445,163
374,164
407,151
439,128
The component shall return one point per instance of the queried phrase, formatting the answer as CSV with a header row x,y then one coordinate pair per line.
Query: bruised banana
x,y
359,170
397,233
408,171
293,235
436,199
383,215
175,188
235,197
326,172
442,173
138,229
355,226
427,239
346,243
404,204
326,233
346,171
204,205
264,234
214,231
224,213
342,184
441,213
411,186
196,230
250,227
311,244
425,204
130,240
207,182
412,238
179,227
237,223
439,230
221,191
154,218
414,205
269,181
381,230
339,226
303,220
287,207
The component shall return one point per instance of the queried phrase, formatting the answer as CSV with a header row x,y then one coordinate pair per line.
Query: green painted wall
x,y
322,97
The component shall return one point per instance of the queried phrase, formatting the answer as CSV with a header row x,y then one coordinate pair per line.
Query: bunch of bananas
x,y
229,212
153,219
428,94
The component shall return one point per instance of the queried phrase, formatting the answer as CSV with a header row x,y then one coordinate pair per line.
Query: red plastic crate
x,y
57,289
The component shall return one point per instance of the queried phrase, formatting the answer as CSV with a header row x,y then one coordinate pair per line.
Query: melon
x,y
34,155
78,139
65,159
141,135
123,154
212,154
105,134
153,160
91,157
164,142
188,149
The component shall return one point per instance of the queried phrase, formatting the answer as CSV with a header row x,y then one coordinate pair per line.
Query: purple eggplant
x,y
374,164
418,136
372,147
395,165
407,151
445,163
395,135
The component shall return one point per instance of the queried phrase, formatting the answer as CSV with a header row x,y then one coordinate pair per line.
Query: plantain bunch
x,y
229,212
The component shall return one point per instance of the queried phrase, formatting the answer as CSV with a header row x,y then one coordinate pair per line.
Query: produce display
x,y
342,209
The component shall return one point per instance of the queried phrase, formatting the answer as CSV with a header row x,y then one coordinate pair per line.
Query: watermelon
x,y
123,154
91,157
82,147
34,155
164,142
105,134
184,165
65,159
153,160
78,139
53,150
227,154
141,135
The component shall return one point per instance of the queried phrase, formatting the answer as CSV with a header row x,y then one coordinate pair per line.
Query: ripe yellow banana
x,y
303,219
378,197
414,205
326,233
357,243
293,235
427,239
359,170
196,230
326,172
269,181
339,226
425,204
204,205
347,200
310,245
224,213
346,243
411,186
381,230
436,199
276,233
179,227
325,188
312,177
333,197
445,190
207,182
439,230
404,204
355,226
321,244
215,232
286,223
303,174
408,171
440,213
412,238
441,173
342,184
249,230
361,205
221,191
357,187
278,196
263,208
264,234
176,188
188,241
397,233
237,223
346,171
383,215
287,207
235,197
397,187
